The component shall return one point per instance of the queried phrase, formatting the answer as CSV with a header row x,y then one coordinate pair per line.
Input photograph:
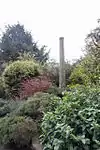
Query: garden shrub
x,y
7,107
4,110
56,91
2,102
29,108
31,86
75,123
17,130
36,105
79,76
18,71
48,102
2,89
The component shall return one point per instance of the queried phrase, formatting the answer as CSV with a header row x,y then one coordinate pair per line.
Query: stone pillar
x,y
62,63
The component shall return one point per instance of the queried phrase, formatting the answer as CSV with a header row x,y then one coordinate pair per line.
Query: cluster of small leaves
x,y
75,123
34,85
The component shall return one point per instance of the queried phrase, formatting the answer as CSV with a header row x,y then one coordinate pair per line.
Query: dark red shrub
x,y
31,86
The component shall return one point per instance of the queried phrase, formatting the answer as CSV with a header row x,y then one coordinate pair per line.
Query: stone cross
x,y
62,63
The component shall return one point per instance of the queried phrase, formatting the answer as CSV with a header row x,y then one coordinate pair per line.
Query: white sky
x,y
50,19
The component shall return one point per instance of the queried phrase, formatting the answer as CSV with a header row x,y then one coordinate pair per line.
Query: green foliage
x,y
52,70
17,72
93,43
79,76
75,123
16,40
36,105
92,49
8,107
40,55
86,72
2,88
56,91
2,102
26,56
29,108
17,130
48,101
4,110
92,69
68,70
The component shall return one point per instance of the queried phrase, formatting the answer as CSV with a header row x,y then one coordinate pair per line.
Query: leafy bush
x,y
4,110
86,72
55,90
48,102
17,72
4,107
36,105
2,89
2,102
7,108
79,76
75,123
17,130
29,108
31,86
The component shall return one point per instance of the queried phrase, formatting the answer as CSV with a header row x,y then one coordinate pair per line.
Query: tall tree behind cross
x,y
16,40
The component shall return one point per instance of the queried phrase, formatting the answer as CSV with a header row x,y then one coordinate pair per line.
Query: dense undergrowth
x,y
75,122
20,120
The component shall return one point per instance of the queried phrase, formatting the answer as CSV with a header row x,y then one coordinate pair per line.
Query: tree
x,y
80,74
93,43
93,54
40,54
16,40
87,70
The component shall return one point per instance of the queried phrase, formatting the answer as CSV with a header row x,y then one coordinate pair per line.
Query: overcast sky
x,y
50,19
